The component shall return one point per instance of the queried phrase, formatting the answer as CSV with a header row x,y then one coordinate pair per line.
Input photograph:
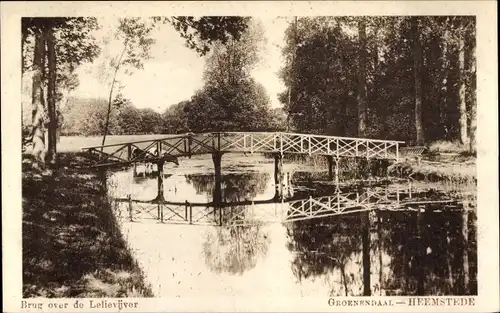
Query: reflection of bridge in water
x,y
275,210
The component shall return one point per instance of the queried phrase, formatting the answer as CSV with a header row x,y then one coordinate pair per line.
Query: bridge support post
x,y
190,214
331,162
278,169
129,197
278,194
160,196
160,212
329,159
217,192
135,169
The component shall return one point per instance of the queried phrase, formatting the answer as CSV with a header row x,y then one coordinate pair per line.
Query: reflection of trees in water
x,y
234,249
430,259
321,245
434,258
235,187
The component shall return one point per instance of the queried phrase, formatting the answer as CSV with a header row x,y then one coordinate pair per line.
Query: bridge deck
x,y
190,144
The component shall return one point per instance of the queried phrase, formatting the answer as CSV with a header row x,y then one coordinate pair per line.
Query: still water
x,y
309,240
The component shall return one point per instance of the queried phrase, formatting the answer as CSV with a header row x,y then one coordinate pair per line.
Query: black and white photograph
x,y
240,156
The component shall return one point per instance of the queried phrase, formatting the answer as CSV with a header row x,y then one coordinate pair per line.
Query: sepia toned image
x,y
239,156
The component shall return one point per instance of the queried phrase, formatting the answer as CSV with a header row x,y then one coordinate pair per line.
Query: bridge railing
x,y
308,144
244,142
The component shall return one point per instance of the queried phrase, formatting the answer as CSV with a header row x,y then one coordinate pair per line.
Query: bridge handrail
x,y
132,142
314,135
175,136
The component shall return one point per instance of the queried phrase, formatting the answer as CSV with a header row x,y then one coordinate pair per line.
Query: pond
x,y
249,237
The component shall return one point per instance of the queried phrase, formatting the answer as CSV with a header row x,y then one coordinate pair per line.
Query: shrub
x,y
448,146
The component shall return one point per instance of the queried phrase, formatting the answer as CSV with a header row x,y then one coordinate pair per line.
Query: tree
x,y
322,76
471,86
59,44
151,121
198,32
175,119
135,37
417,60
85,117
201,32
446,65
232,61
51,97
278,120
461,81
362,77
243,107
402,88
230,98
130,120
38,100
463,108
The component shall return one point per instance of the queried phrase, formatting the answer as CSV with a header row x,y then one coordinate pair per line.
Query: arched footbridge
x,y
173,146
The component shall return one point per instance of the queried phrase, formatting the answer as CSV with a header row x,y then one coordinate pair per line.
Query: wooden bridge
x,y
186,145
244,213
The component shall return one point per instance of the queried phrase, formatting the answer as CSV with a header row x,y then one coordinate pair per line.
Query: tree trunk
x,y
417,61
374,95
442,107
472,95
38,103
117,67
23,56
446,86
461,80
292,75
51,98
362,78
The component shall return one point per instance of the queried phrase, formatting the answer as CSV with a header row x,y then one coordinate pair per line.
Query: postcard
x,y
227,156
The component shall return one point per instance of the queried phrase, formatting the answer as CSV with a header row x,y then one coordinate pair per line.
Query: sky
x,y
174,72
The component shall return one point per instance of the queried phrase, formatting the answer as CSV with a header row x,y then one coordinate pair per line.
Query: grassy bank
x,y
443,161
72,244
438,167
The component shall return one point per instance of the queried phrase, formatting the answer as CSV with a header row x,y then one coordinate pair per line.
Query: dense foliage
x,y
407,63
86,117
